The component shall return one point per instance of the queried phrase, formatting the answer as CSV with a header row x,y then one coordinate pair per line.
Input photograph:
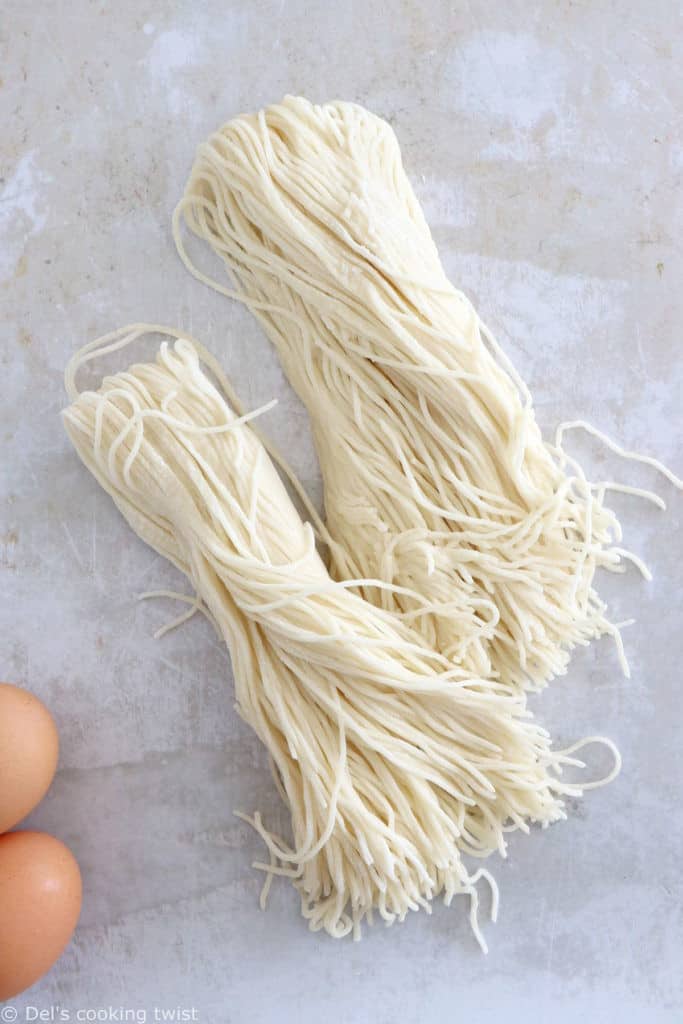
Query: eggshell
x,y
40,901
29,747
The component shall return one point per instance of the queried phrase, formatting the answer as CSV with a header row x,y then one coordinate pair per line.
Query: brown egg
x,y
40,900
29,747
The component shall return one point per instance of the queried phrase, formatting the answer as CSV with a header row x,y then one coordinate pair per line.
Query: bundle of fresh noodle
x,y
436,476
393,763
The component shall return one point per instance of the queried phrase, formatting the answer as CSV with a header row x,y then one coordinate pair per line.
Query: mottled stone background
x,y
544,140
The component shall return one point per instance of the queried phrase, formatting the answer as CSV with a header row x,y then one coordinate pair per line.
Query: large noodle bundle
x,y
393,763
436,475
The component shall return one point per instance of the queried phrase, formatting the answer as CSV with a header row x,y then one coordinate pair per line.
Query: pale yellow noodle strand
x,y
425,433
394,763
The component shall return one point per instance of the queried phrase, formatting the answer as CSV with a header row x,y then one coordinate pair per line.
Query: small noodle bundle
x,y
393,762
436,475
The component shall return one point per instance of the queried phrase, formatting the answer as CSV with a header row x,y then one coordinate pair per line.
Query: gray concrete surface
x,y
544,143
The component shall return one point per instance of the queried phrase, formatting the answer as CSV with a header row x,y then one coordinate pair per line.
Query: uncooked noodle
x,y
394,762
436,476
